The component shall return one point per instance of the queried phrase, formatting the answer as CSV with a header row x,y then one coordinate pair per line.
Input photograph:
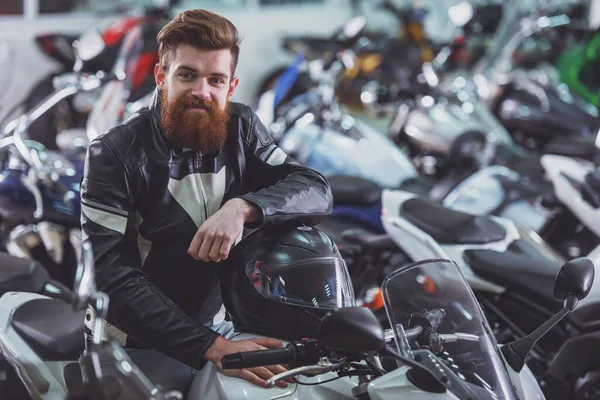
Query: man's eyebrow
x,y
195,70
187,68
220,75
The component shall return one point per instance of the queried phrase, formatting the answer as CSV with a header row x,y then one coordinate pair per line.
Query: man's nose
x,y
202,89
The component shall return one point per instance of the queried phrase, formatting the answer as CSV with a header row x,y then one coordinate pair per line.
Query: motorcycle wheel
x,y
301,86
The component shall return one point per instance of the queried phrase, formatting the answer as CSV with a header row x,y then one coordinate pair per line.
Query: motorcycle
x,y
73,113
439,337
551,110
43,338
456,122
577,69
314,130
39,190
511,270
561,210
576,191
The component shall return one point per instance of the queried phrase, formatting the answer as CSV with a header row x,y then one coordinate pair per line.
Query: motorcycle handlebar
x,y
249,359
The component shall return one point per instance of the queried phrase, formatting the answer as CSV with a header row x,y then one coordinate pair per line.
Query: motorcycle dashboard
x,y
459,376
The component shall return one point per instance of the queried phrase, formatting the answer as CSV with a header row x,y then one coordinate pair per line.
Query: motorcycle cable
x,y
319,383
362,371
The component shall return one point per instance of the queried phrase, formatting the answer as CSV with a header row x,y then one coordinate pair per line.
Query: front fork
x,y
23,238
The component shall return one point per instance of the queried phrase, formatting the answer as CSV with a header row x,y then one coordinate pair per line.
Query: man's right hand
x,y
256,375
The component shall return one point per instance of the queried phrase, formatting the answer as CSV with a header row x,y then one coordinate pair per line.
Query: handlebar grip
x,y
259,358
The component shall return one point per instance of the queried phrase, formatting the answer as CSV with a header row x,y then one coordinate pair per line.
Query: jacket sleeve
x,y
136,307
283,190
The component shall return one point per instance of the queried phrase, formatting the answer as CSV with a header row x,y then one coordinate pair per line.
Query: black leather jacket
x,y
142,203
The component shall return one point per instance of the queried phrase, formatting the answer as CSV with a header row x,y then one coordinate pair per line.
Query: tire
x,y
301,85
268,84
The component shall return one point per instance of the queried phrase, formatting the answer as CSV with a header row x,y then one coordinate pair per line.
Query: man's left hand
x,y
217,234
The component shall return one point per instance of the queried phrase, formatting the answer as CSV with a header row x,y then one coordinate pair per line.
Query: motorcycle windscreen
x,y
455,341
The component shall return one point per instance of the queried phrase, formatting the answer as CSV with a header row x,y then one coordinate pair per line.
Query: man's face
x,y
195,93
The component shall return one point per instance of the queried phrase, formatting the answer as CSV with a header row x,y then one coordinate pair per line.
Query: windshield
x,y
438,322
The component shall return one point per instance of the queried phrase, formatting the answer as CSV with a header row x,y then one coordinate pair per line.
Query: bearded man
x,y
166,195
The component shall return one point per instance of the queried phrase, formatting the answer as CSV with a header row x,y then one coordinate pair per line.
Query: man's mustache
x,y
196,102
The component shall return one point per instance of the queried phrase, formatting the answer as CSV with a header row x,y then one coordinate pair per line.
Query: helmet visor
x,y
315,283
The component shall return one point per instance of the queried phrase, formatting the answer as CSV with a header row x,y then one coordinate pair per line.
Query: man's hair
x,y
201,29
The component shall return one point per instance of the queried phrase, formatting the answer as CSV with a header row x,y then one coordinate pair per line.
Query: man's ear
x,y
232,85
159,75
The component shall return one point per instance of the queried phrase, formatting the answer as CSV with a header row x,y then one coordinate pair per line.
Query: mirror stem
x,y
101,312
516,352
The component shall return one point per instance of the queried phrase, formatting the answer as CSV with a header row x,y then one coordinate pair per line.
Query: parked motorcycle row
x,y
470,228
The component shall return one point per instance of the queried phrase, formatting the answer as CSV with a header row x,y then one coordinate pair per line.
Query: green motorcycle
x,y
579,68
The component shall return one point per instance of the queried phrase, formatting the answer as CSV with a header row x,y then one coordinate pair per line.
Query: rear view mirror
x,y
351,330
573,283
461,13
574,279
89,45
84,287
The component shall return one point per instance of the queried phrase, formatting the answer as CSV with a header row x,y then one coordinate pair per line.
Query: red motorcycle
x,y
73,113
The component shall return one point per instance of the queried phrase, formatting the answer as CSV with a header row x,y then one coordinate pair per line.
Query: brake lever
x,y
456,337
321,368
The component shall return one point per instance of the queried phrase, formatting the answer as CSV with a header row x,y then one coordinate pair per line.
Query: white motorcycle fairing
x,y
559,170
418,245
361,151
210,384
482,194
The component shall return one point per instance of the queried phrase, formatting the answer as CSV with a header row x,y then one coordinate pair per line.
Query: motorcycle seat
x,y
351,190
21,275
521,268
53,329
449,226
573,146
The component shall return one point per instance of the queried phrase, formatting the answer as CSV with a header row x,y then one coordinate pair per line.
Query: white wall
x,y
262,29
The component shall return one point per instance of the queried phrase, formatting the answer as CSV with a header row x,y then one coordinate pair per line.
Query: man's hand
x,y
218,233
257,375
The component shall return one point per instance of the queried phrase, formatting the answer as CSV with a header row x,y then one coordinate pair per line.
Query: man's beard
x,y
187,127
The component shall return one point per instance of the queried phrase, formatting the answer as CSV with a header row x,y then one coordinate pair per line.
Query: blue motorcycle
x,y
310,125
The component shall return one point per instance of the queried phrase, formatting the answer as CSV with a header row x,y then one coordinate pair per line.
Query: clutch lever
x,y
310,370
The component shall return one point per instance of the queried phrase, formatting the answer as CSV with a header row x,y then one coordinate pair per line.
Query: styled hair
x,y
201,29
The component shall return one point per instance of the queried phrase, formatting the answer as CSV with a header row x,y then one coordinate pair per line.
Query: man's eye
x,y
219,81
186,75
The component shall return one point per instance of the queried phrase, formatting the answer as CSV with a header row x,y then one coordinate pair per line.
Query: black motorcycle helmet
x,y
280,283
